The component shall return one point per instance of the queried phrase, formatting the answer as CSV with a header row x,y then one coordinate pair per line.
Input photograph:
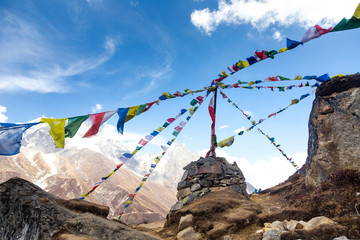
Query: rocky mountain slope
x,y
70,172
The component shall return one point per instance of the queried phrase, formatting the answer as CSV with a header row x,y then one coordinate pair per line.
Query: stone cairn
x,y
206,175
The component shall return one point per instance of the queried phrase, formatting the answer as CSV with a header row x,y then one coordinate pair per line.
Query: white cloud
x,y
97,108
30,62
262,14
239,129
224,126
3,117
264,173
277,36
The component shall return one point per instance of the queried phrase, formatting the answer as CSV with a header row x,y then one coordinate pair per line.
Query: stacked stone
x,y
206,175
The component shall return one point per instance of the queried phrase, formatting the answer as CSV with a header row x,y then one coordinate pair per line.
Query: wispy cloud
x,y
224,126
151,78
30,62
3,117
262,14
97,108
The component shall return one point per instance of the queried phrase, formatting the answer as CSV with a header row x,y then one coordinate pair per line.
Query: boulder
x,y
188,234
334,129
185,221
28,212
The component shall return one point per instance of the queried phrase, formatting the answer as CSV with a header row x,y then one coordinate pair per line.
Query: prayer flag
x,y
170,120
193,102
122,112
251,60
283,50
141,109
10,137
323,78
243,64
131,113
291,44
262,55
178,128
353,22
310,34
271,54
97,120
57,130
227,142
143,142
74,124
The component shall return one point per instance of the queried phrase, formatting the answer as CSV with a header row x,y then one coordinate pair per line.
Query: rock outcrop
x,y
334,129
27,212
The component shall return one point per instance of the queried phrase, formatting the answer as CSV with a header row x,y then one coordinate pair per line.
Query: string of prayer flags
x,y
229,141
98,119
11,136
152,166
310,34
212,112
272,141
74,124
142,142
254,123
126,156
353,22
57,130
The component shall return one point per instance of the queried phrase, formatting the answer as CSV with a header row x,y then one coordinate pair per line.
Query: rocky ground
x,y
289,211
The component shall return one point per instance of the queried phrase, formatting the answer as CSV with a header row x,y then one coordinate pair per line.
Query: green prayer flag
x,y
346,24
283,78
271,54
193,102
74,124
141,108
175,133
241,133
144,179
166,124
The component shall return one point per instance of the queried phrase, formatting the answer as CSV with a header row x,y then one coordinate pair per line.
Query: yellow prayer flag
x,y
160,129
283,50
298,77
134,152
357,12
227,142
57,130
141,184
294,101
339,75
224,74
132,112
243,64
166,94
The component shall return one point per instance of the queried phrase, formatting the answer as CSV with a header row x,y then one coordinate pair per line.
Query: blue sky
x,y
69,58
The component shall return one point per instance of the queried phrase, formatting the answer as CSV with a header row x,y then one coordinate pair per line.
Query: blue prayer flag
x,y
122,112
10,137
290,44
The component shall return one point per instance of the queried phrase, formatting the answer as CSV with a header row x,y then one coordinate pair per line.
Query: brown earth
x,y
228,213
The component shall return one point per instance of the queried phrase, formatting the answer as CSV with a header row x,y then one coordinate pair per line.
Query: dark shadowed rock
x,y
334,129
27,212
